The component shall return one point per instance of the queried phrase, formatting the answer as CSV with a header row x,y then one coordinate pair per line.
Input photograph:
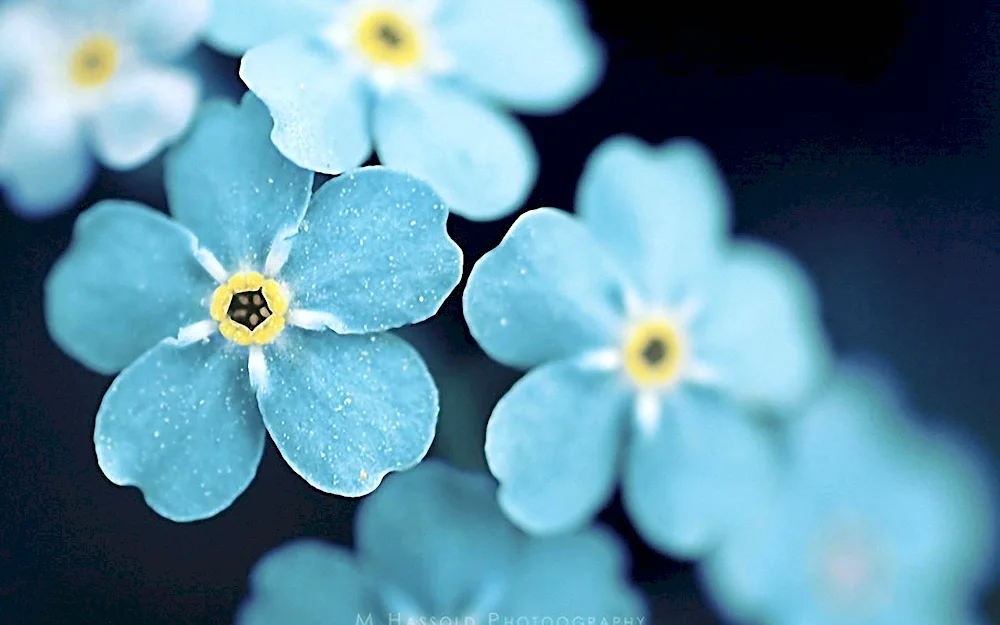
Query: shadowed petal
x,y
181,424
167,29
238,25
128,280
306,582
228,184
346,410
479,158
546,292
703,468
437,534
583,573
374,252
553,443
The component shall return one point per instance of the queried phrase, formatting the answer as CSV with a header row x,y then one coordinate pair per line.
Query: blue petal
x,y
235,26
762,332
346,410
374,252
306,582
534,55
928,491
480,159
546,292
702,469
228,184
751,562
144,112
663,212
583,574
181,424
45,165
167,29
319,103
128,280
27,33
553,443
436,535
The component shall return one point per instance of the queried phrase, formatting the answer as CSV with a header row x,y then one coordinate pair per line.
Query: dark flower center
x,y
389,36
654,352
249,309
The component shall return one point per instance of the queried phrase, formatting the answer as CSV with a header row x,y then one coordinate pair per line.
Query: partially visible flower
x,y
432,547
84,78
651,337
222,320
423,81
875,523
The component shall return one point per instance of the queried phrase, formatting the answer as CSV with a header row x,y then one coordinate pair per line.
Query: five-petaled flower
x,y
222,320
79,79
433,547
419,79
875,521
651,337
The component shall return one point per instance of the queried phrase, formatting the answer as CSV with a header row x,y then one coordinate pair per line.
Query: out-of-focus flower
x,y
650,335
223,317
424,81
432,546
875,523
80,79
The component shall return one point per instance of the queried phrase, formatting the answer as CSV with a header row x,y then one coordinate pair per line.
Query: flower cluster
x,y
664,357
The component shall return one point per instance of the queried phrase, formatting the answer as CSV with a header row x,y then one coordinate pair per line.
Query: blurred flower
x,y
650,336
221,318
421,79
84,78
875,523
432,546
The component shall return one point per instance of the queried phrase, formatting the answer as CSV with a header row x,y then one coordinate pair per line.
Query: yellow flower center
x,y
94,61
389,39
250,309
654,351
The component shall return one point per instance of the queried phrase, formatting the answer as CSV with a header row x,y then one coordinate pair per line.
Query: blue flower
x,y
876,522
222,319
84,78
649,336
432,547
423,81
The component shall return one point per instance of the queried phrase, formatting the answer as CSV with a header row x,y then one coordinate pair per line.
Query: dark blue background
x,y
862,136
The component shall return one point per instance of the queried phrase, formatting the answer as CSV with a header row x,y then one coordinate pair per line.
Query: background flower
x,y
423,81
222,320
80,80
432,544
650,337
876,522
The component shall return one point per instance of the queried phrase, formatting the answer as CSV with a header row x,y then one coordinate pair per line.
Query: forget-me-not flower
x,y
648,334
80,79
260,307
433,547
424,82
875,522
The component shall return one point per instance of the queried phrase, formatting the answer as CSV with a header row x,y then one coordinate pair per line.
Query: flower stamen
x,y
653,352
387,38
94,61
250,309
